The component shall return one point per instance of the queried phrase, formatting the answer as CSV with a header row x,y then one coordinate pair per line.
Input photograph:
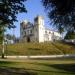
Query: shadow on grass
x,y
65,67
34,49
15,71
62,68
4,70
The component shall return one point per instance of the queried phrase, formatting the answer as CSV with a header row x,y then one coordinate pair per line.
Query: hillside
x,y
39,49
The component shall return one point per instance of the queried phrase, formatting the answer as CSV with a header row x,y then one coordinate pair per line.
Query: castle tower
x,y
22,27
39,27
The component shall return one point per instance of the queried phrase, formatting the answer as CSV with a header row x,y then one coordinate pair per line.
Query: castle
x,y
37,32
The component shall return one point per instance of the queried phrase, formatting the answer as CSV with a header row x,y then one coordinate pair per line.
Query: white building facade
x,y
37,32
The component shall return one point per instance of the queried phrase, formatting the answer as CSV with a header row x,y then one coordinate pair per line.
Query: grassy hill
x,y
39,48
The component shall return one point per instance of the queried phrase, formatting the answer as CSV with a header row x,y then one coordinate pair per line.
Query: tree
x,y
1,36
70,35
61,13
9,37
8,11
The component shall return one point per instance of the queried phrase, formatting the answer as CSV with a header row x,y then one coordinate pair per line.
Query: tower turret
x,y
22,27
39,25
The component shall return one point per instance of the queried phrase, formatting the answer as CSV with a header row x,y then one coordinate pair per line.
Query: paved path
x,y
41,56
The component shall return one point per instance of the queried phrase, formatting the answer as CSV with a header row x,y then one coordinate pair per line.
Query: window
x,y
28,32
46,32
31,31
36,29
25,32
49,32
41,22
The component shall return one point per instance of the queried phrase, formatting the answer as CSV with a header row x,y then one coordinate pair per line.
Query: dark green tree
x,y
61,13
70,35
9,37
8,11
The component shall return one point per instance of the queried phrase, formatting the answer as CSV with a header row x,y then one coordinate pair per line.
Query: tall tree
x,y
61,13
8,11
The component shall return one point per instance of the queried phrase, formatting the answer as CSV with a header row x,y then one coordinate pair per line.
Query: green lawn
x,y
39,49
37,67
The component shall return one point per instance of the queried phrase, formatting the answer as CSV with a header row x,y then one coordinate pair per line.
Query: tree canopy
x,y
8,11
70,35
61,13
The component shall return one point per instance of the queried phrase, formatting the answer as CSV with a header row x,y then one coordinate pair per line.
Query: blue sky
x,y
34,8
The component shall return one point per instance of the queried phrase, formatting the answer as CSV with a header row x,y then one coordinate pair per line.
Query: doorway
x,y
28,39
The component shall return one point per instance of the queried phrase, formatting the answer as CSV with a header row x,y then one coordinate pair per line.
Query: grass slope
x,y
37,67
39,49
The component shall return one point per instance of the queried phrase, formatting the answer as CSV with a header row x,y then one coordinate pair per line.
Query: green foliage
x,y
1,34
10,37
8,11
61,13
1,37
70,35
